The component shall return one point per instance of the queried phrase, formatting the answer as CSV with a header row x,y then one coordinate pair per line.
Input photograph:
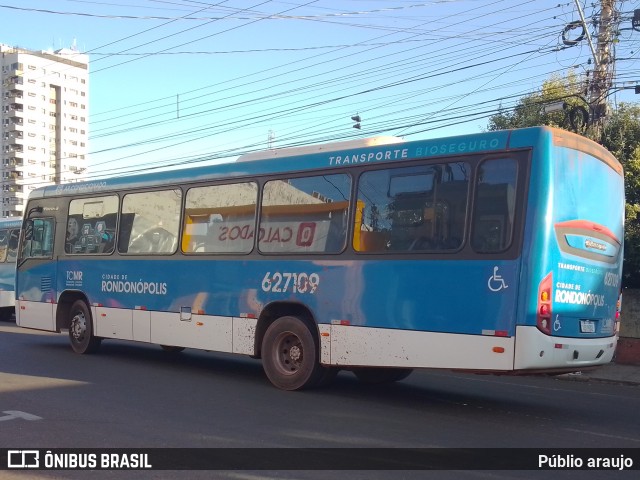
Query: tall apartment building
x,y
43,121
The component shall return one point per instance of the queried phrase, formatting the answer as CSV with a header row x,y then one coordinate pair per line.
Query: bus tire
x,y
290,355
81,335
381,375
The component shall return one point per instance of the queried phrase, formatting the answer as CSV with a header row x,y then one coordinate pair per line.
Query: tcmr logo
x,y
74,275
23,459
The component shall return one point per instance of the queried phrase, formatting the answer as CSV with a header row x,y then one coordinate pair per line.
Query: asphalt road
x,y
138,396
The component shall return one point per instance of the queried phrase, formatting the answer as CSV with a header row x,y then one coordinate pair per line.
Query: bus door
x,y
36,271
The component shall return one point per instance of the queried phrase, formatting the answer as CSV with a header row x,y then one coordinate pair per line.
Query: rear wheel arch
x,y
276,310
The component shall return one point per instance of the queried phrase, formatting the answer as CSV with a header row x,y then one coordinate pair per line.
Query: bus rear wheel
x,y
381,375
81,329
290,355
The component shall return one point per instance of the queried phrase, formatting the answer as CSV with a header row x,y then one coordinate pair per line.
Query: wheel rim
x,y
79,326
289,353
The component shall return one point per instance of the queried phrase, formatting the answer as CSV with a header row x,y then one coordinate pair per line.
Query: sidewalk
x,y
609,373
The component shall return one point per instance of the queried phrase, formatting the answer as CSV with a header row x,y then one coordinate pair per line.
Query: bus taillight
x,y
544,304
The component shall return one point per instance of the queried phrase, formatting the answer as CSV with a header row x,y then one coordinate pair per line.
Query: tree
x,y
529,110
620,135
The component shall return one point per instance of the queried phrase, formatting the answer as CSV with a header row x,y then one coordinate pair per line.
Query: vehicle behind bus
x,y
9,234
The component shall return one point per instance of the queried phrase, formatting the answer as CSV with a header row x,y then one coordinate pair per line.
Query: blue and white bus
x,y
9,234
498,252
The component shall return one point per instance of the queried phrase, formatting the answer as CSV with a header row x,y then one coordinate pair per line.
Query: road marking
x,y
13,414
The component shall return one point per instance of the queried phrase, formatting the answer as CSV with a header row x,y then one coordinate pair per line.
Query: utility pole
x,y
604,65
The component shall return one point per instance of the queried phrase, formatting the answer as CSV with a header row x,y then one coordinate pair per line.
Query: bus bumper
x,y
534,351
7,298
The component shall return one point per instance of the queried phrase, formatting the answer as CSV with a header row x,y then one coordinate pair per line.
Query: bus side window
x,y
4,245
12,253
220,218
494,206
91,225
305,214
154,222
105,235
38,238
372,241
124,233
420,208
72,236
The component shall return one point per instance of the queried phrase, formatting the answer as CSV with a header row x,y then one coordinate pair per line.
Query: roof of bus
x,y
340,157
318,148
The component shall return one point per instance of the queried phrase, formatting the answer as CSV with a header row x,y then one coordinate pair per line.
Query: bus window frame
x,y
123,194
523,158
320,206
432,164
185,213
30,221
474,214
87,199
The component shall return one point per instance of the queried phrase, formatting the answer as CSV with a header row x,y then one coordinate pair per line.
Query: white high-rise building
x,y
43,121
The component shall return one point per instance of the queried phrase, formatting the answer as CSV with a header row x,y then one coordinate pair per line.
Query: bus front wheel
x,y
289,355
81,329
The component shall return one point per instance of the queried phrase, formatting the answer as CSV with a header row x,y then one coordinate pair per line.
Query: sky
x,y
181,82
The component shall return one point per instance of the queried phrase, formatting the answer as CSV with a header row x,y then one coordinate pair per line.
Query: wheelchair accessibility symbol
x,y
496,282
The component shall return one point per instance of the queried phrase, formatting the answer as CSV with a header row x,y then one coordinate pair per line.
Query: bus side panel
x,y
217,307
244,334
36,302
7,297
361,346
37,315
113,323
141,325
9,233
206,332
